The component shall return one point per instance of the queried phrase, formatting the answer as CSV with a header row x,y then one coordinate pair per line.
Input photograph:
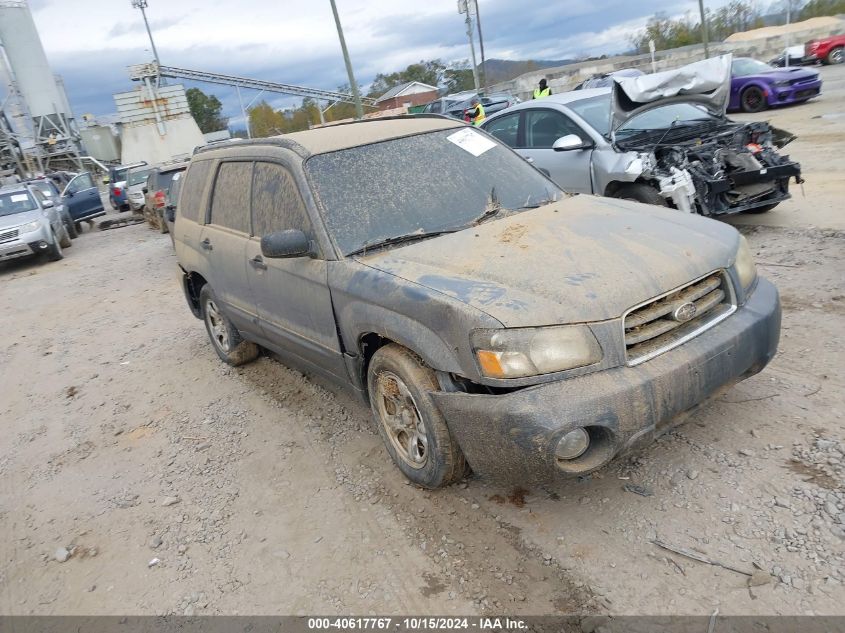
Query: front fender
x,y
431,324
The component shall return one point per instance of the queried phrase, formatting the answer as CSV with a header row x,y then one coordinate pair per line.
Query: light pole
x,y
704,35
463,7
356,95
142,4
481,46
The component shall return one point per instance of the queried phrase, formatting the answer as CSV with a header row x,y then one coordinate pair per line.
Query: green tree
x,y
265,121
428,72
458,77
818,8
206,110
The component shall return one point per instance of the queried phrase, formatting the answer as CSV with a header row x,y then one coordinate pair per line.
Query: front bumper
x,y
779,95
513,436
26,244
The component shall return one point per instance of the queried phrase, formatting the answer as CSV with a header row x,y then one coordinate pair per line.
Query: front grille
x,y
8,236
658,325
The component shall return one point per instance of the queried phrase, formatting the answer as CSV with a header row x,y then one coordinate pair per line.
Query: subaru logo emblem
x,y
684,312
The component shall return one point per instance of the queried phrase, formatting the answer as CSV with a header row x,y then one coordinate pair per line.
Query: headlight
x,y
782,84
522,352
744,264
31,226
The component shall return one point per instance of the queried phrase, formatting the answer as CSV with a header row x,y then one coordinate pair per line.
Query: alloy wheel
x,y
401,419
217,326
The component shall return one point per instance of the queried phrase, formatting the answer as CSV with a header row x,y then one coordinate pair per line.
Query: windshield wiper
x,y
398,239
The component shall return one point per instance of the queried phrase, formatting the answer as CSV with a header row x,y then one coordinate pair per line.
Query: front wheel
x,y
225,338
55,253
640,192
410,424
753,100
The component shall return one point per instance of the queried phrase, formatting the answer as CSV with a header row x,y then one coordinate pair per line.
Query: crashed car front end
x,y
709,165
727,170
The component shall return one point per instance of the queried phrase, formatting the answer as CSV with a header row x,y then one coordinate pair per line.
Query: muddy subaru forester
x,y
489,319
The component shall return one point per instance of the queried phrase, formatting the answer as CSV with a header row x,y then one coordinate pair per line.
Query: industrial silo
x,y
28,63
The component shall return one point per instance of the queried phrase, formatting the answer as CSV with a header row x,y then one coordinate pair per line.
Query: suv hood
x,y
580,259
707,83
16,219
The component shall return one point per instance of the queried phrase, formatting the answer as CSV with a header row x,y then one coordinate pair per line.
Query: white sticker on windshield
x,y
471,141
21,197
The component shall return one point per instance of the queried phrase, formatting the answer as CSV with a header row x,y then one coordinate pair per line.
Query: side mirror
x,y
570,142
47,204
67,193
285,244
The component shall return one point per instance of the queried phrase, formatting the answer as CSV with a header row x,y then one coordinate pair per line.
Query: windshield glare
x,y
422,183
743,67
13,202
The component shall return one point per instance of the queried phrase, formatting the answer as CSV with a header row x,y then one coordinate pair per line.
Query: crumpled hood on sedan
x,y
581,259
706,82
16,219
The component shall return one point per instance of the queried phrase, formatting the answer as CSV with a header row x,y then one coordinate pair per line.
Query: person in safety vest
x,y
543,90
476,112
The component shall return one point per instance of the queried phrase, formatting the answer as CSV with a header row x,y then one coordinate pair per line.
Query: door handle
x,y
257,262
206,244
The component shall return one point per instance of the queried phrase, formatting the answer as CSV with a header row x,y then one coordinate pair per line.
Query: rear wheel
x,y
410,424
640,192
753,100
162,223
836,56
225,338
70,226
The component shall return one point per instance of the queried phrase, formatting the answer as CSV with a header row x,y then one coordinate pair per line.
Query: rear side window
x,y
80,183
190,206
276,203
230,204
505,128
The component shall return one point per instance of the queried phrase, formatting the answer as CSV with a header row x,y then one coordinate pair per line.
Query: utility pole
x,y
463,7
142,4
704,35
356,95
481,45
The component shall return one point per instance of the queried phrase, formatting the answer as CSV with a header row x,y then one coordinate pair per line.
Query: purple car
x,y
756,86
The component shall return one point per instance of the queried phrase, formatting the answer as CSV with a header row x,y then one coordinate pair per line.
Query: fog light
x,y
572,445
43,245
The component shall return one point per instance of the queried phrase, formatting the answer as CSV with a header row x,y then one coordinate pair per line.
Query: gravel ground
x,y
141,476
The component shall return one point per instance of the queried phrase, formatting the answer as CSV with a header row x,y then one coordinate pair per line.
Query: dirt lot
x,y
173,484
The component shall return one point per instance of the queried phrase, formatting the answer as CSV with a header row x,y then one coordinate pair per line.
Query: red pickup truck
x,y
828,50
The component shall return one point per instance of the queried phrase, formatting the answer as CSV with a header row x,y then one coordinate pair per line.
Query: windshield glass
x,y
595,111
136,177
423,183
663,117
12,202
743,67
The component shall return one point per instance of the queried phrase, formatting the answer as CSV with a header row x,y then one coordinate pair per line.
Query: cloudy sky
x,y
90,42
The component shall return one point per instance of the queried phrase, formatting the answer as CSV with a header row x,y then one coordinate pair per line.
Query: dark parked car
x,y
456,105
756,86
605,80
79,197
158,193
486,317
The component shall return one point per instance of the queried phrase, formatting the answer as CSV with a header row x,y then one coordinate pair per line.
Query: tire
x,y
835,56
55,253
78,227
640,192
410,424
162,223
752,99
225,338
64,238
71,229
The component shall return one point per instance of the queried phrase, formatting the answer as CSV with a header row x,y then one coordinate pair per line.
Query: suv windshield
x,y
12,202
137,177
421,184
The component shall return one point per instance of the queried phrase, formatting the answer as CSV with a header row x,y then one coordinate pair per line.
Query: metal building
x,y
33,82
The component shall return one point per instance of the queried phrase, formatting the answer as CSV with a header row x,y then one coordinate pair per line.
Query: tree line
x,y
734,17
